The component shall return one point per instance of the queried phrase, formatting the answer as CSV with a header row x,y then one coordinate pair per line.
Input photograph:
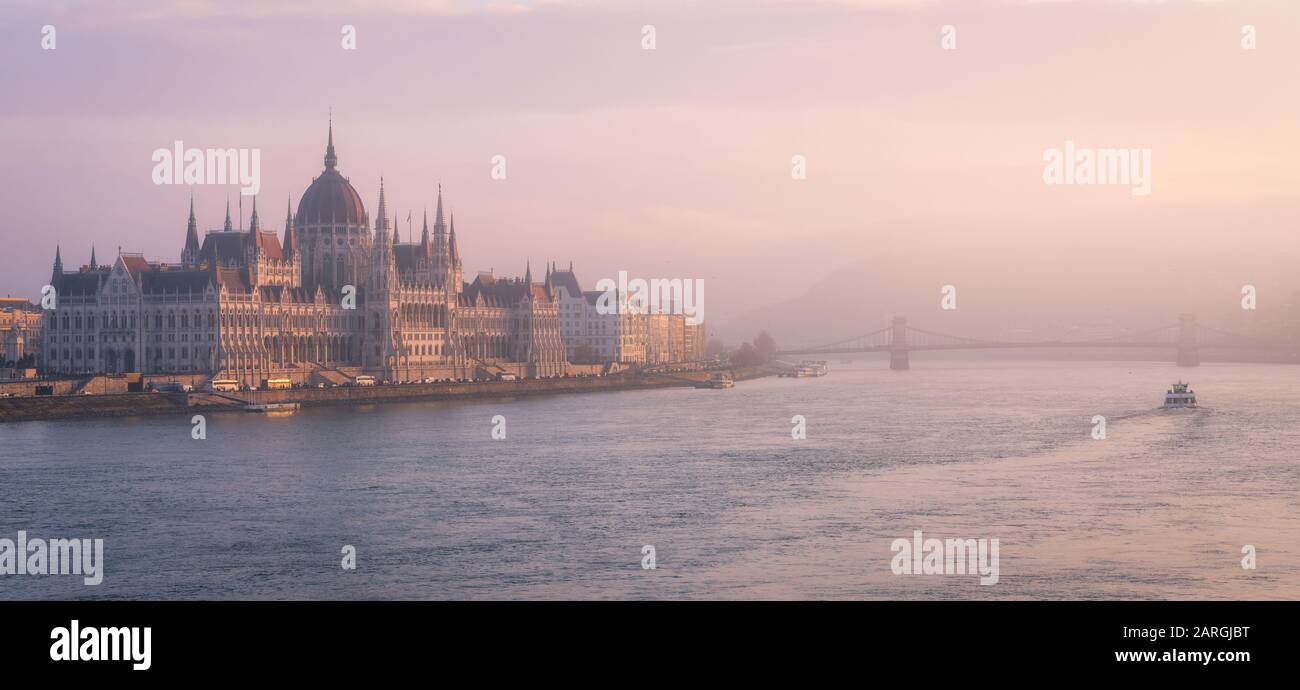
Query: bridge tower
x,y
898,345
1189,354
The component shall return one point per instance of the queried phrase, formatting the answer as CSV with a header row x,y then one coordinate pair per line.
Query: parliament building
x,y
337,294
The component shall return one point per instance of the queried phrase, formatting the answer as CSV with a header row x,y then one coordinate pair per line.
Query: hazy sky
x,y
676,162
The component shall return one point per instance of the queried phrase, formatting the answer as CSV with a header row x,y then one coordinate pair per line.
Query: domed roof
x,y
330,198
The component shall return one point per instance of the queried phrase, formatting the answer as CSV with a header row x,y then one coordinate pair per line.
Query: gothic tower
x,y
382,345
58,266
190,254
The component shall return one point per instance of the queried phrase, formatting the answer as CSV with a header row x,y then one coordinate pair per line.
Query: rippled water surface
x,y
734,507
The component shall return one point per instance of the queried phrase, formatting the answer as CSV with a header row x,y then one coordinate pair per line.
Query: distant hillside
x,y
1009,294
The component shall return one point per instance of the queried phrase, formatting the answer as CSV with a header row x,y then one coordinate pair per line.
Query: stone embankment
x,y
27,408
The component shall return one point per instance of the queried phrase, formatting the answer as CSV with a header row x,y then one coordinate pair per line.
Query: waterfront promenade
x,y
29,408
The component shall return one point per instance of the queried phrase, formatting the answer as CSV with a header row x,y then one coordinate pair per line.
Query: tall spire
x,y
528,274
253,224
437,214
58,264
228,226
397,235
331,160
452,250
290,237
425,246
440,245
93,265
191,251
381,217
255,229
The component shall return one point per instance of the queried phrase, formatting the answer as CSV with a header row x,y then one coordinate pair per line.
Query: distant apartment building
x,y
622,335
20,331
657,348
669,338
694,341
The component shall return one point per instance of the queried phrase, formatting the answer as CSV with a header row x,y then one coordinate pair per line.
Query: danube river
x,y
733,506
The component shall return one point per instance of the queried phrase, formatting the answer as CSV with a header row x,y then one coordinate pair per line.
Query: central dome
x,y
330,198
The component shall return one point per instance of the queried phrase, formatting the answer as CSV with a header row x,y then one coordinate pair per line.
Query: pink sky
x,y
675,162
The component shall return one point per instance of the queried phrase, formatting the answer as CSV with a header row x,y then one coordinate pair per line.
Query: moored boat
x,y
806,370
718,381
272,407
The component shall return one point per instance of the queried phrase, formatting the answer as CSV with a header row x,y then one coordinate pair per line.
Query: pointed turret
x,y
437,214
290,237
93,265
397,236
381,218
228,227
58,264
528,274
189,255
253,223
425,245
255,229
452,250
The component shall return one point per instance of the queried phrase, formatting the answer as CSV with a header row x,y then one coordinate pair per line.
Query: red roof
x,y
135,264
330,198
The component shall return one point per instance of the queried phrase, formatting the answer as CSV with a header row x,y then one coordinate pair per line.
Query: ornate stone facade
x,y
327,301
